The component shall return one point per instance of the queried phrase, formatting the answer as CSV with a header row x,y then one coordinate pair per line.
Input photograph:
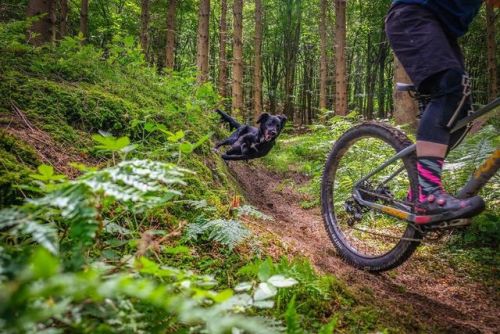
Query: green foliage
x,y
248,210
292,319
229,233
461,163
42,295
81,204
19,224
330,327
315,297
16,163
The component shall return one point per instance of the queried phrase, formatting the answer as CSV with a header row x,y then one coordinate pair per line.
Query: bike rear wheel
x,y
366,238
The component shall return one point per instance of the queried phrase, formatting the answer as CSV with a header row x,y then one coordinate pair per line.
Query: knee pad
x,y
451,95
450,82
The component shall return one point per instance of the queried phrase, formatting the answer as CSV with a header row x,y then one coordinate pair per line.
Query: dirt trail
x,y
437,297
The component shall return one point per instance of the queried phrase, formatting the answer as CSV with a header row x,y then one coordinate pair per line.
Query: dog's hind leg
x,y
225,117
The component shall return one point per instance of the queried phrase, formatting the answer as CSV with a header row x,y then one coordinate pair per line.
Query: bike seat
x,y
404,87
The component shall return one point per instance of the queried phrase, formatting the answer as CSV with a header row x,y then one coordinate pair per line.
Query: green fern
x,y
292,319
248,210
227,232
18,223
329,327
139,184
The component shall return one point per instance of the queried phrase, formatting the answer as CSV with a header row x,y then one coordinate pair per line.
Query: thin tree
x,y
340,60
84,20
257,74
202,44
323,68
292,26
170,43
405,108
237,94
145,26
381,59
44,29
63,28
222,80
491,45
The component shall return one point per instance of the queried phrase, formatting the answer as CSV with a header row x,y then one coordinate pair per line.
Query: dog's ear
x,y
283,120
263,117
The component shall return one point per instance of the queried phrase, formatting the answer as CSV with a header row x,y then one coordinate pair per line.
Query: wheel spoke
x,y
374,234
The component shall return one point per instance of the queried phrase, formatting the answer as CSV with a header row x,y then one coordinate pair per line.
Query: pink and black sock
x,y
429,176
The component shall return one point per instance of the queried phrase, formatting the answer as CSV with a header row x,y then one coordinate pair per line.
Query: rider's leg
x,y
447,105
433,60
433,135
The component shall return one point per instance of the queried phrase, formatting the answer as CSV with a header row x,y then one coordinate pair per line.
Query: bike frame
x,y
475,183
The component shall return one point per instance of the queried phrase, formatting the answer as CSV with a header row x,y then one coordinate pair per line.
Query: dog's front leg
x,y
222,143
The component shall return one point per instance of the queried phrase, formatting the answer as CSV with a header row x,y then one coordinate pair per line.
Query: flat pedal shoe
x,y
441,206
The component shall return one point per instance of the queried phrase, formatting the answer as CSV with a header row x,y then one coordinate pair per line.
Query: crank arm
x,y
398,213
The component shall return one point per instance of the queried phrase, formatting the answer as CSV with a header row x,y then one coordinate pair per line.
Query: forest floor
x,y
426,286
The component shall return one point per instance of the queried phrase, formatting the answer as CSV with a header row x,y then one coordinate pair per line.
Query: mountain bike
x,y
367,185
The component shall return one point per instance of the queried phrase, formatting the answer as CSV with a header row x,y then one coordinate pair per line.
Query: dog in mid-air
x,y
250,142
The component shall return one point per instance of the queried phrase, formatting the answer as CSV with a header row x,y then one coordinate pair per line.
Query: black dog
x,y
249,142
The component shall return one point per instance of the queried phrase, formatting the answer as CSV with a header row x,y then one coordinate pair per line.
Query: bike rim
x,y
375,234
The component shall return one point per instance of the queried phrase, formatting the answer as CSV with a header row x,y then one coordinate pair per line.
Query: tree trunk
x,y
323,72
237,56
340,61
170,45
257,74
492,66
293,17
145,27
222,80
202,45
382,56
63,29
84,20
405,107
44,28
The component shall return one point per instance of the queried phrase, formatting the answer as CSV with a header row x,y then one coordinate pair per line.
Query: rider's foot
x,y
440,206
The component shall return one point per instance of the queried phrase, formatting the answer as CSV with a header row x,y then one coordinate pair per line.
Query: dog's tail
x,y
225,117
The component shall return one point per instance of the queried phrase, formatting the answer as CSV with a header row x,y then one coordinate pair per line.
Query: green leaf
x,y
264,304
243,286
329,327
186,148
46,170
265,270
149,127
281,281
176,250
122,142
264,291
46,173
174,138
43,264
223,295
292,319
110,143
201,141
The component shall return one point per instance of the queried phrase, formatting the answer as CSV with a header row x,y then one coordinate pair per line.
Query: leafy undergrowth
x,y
146,236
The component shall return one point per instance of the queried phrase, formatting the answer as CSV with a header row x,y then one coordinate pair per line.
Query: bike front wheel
x,y
366,238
